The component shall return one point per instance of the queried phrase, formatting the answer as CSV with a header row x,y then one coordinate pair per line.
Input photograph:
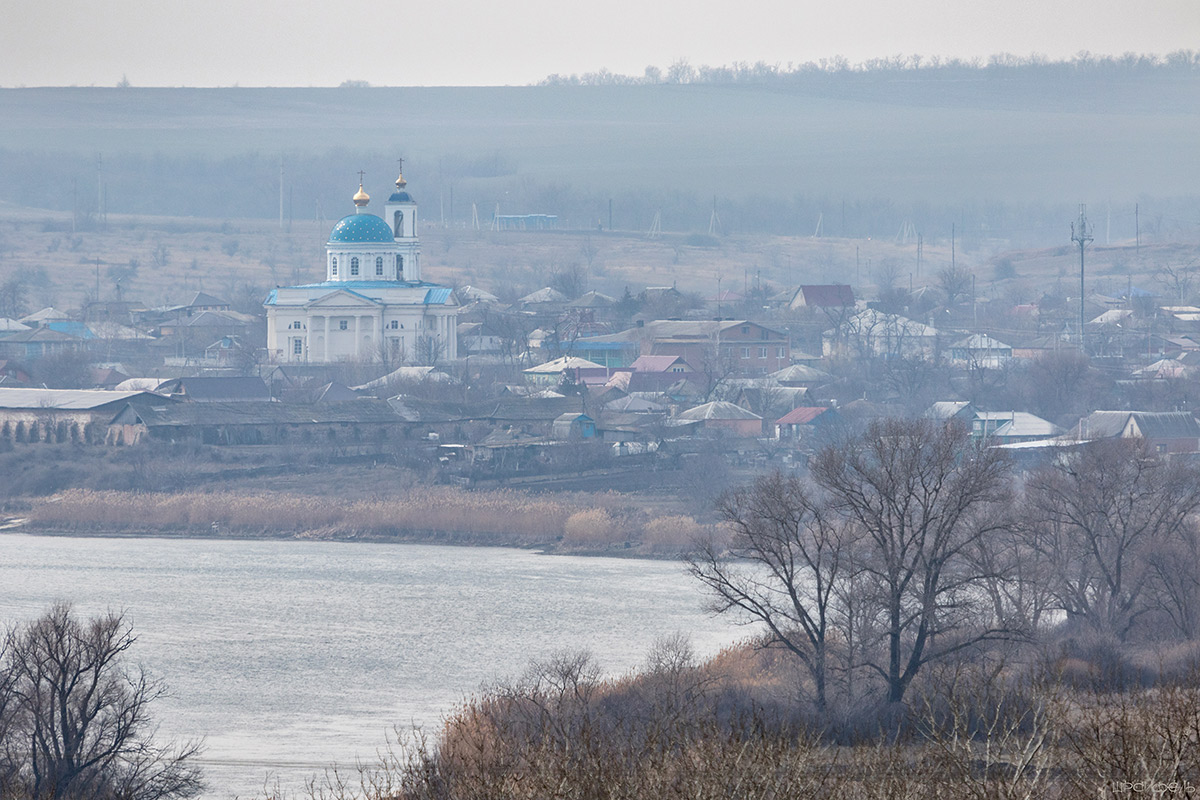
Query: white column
x,y
308,323
380,341
326,338
357,336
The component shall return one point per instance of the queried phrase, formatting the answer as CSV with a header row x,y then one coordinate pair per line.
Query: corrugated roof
x,y
655,363
801,416
545,295
827,295
1166,424
1022,424
561,364
437,297
1102,424
262,413
66,399
718,409
799,373
217,389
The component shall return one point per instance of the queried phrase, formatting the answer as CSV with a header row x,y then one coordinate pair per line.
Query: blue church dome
x,y
361,228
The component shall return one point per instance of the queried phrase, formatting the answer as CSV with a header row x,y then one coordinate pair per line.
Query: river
x,y
287,656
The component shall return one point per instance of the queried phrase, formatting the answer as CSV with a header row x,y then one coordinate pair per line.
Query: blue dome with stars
x,y
358,228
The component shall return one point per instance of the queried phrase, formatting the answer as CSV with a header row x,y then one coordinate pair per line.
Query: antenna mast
x,y
1081,235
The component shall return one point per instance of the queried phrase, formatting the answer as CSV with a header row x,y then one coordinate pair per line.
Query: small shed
x,y
571,426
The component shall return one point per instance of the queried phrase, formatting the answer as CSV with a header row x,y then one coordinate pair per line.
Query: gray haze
x,y
470,42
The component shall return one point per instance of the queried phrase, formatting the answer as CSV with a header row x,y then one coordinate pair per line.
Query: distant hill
x,y
863,154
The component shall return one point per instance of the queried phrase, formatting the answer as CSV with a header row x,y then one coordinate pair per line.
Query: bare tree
x,y
81,724
1177,280
955,283
428,350
1098,515
782,568
924,499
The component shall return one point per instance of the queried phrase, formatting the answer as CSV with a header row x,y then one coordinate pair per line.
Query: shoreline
x,y
436,538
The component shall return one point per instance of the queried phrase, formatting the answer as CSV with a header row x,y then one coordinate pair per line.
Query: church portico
x,y
372,305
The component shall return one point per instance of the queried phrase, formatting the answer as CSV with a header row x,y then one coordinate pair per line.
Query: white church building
x,y
372,305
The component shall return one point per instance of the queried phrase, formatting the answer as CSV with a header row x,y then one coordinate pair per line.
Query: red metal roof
x,y
801,416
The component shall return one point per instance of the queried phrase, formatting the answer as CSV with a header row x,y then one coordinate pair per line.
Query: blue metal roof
x,y
361,228
73,328
401,197
437,297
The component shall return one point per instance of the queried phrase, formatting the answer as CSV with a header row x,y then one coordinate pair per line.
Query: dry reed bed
x,y
497,515
592,523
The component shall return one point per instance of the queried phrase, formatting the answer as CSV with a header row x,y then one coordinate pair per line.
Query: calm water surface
x,y
287,656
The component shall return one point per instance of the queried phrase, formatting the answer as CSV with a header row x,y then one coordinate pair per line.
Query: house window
x,y
298,347
779,352
745,330
1160,448
379,265
762,352
333,266
343,324
354,266
394,324
745,352
765,334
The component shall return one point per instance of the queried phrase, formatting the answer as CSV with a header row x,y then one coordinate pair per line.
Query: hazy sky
x,y
472,42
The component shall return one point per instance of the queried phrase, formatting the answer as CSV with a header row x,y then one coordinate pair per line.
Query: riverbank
x,y
598,523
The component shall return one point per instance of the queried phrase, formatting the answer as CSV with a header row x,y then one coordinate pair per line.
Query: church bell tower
x,y
400,213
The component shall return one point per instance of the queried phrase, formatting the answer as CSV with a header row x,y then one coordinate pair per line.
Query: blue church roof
x,y
361,228
401,197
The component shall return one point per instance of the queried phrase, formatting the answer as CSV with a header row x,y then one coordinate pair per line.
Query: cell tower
x,y
907,233
820,219
474,216
714,222
1081,235
655,231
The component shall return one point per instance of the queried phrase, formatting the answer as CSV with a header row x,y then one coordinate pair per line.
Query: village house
x,y
1009,427
723,417
835,295
1164,431
801,423
875,334
981,350
738,347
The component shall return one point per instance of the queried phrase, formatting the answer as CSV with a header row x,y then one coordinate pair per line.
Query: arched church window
x,y
354,266
333,266
399,268
379,265
398,224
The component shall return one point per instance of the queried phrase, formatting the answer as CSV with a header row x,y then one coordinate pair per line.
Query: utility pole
x,y
920,252
1137,231
1081,236
281,193
952,232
